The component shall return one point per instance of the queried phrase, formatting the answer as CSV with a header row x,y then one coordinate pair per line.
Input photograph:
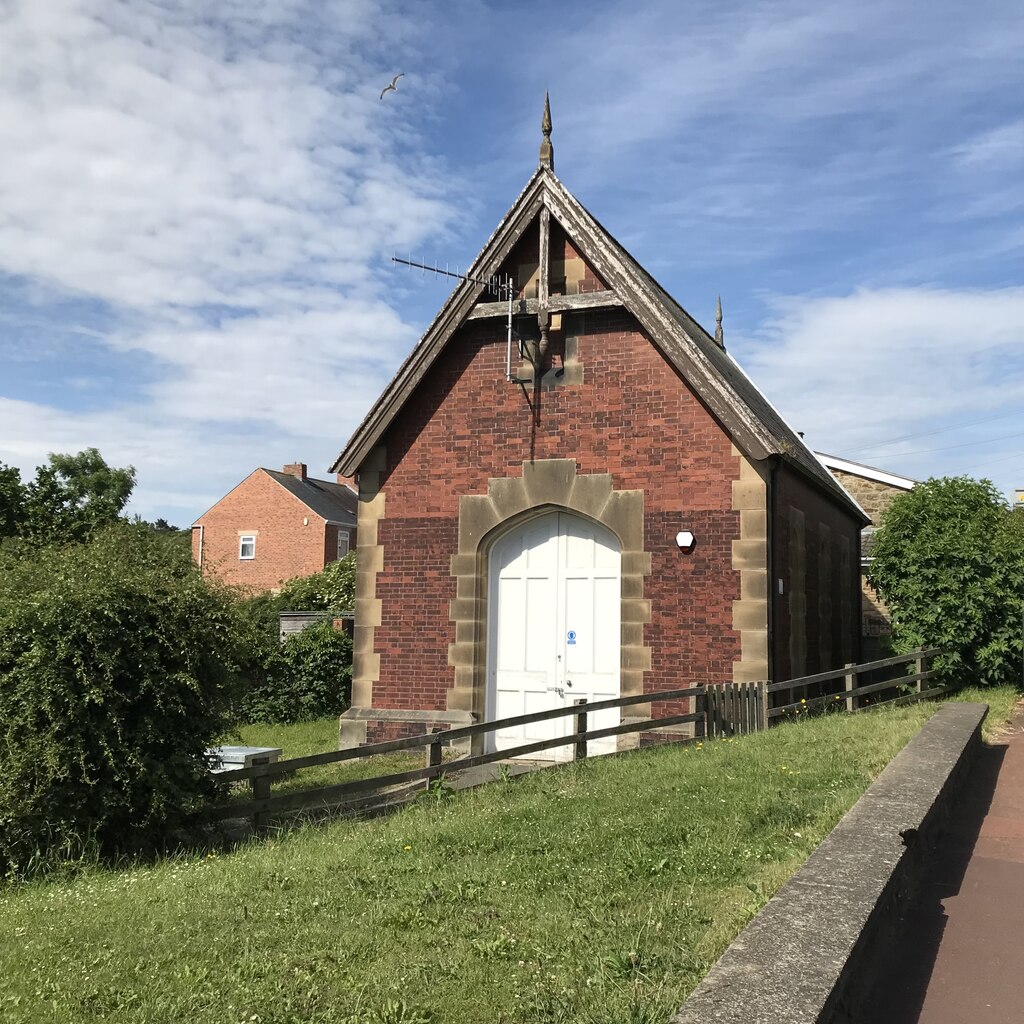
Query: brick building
x,y
274,526
578,493
873,490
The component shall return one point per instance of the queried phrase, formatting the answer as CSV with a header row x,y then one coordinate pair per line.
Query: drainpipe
x,y
772,585
200,559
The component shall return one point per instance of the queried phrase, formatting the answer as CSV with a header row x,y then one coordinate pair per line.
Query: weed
x,y
392,1013
439,791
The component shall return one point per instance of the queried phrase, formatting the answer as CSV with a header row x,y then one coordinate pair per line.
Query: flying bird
x,y
393,87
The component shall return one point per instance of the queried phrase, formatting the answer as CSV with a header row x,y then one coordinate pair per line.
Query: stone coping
x,y
801,959
454,719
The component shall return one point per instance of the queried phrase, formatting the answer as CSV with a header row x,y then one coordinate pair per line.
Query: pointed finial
x,y
547,153
719,333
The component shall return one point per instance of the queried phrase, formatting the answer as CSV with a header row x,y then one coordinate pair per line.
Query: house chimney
x,y
349,482
296,469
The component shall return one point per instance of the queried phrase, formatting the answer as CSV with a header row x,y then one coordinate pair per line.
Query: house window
x,y
247,546
342,543
867,544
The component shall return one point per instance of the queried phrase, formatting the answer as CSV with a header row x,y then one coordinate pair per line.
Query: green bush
x,y
948,561
309,675
113,664
332,590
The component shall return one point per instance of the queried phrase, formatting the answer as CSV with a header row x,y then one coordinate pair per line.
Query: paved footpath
x,y
960,959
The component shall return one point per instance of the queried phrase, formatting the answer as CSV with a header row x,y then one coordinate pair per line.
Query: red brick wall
x,y
284,546
839,643
633,417
330,553
384,731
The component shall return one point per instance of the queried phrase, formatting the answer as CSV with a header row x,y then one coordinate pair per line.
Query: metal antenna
x,y
503,288
495,285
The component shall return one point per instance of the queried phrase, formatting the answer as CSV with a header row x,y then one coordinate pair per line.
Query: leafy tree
x,y
12,501
114,658
173,537
948,561
74,495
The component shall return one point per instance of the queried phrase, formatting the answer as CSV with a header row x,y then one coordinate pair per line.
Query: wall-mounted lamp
x,y
685,540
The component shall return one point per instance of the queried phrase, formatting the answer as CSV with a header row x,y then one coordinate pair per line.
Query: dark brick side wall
x,y
838,608
632,417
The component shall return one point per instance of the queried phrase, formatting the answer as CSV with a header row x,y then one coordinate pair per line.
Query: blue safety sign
x,y
571,637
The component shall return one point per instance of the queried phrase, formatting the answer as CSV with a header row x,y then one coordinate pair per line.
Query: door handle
x,y
568,683
556,689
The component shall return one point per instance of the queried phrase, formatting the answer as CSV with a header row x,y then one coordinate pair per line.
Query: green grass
x,y
1001,701
315,737
598,893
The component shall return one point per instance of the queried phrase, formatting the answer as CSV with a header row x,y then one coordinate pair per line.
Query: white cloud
x,y
857,370
295,373
183,466
731,133
207,193
999,147
150,164
220,184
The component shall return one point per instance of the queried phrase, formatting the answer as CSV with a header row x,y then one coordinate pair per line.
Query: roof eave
x,y
448,319
677,335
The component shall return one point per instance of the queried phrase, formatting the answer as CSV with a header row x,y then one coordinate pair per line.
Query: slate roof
x,y
336,503
755,426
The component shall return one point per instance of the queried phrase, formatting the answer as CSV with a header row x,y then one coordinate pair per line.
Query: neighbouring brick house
x,y
526,505
274,526
873,490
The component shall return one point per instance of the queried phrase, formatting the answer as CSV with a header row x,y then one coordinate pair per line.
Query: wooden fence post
x,y
433,760
919,668
580,719
260,791
700,727
850,681
765,700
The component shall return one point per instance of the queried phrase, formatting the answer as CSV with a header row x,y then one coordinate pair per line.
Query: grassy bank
x,y
304,738
598,892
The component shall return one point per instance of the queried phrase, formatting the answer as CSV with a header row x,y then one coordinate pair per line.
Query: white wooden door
x,y
554,628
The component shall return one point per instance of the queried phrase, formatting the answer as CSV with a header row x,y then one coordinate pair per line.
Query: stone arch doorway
x,y
546,486
553,627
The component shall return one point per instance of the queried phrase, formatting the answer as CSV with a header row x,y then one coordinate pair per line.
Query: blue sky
x,y
199,202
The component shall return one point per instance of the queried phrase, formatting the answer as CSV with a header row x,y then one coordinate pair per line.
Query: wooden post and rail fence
x,y
720,710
